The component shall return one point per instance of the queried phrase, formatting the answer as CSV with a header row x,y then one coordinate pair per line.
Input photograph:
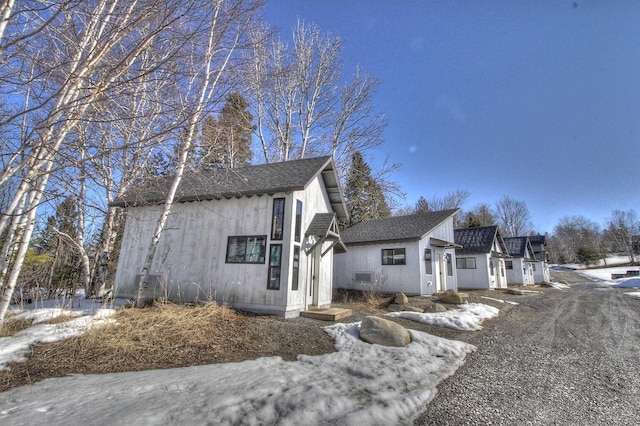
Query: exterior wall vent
x,y
363,277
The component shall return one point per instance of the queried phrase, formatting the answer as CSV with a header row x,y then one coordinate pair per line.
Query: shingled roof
x,y
478,240
397,228
517,246
221,183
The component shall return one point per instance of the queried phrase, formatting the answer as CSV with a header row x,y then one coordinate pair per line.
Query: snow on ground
x,y
468,316
14,348
559,286
603,275
628,283
359,384
500,300
90,313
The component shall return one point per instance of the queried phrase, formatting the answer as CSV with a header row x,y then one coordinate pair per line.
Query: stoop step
x,y
327,314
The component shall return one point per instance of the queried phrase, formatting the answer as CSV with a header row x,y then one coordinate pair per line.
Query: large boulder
x,y
394,307
451,296
434,308
383,332
401,299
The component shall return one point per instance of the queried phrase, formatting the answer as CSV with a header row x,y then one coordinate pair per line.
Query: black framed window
x,y
298,230
466,262
246,249
275,263
295,273
277,221
393,256
508,264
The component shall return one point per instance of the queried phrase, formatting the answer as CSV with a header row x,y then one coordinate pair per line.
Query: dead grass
x,y
10,328
166,336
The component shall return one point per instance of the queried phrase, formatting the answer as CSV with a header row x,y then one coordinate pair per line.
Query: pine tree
x,y
226,141
364,197
422,206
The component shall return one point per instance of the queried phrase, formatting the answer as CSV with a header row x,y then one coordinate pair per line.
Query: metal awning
x,y
324,227
437,242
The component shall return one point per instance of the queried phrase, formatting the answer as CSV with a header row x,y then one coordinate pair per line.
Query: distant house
x,y
260,238
520,267
414,254
480,261
541,272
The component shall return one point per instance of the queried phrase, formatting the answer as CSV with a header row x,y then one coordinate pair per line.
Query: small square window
x,y
393,256
249,249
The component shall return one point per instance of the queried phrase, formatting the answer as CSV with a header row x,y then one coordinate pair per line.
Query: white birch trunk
x,y
204,92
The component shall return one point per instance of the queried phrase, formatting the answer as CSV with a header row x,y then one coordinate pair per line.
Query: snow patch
x,y
359,384
467,317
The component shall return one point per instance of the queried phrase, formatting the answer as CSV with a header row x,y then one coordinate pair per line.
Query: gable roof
x,y
261,179
478,240
517,246
325,227
538,239
396,228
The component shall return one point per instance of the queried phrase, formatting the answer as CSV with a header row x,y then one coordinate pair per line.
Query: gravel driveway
x,y
564,357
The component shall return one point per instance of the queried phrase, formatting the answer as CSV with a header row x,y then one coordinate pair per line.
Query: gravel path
x,y
563,357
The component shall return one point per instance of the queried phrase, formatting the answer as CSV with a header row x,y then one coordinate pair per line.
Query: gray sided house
x,y
413,254
541,272
520,266
260,238
481,260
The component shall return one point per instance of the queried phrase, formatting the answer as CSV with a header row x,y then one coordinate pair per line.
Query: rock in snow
x,y
383,332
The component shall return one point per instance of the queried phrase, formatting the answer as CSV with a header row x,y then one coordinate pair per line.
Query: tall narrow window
x,y
295,273
277,221
298,233
275,262
449,265
428,262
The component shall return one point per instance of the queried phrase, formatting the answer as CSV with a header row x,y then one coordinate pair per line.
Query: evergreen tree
x,y
472,221
422,206
226,141
364,197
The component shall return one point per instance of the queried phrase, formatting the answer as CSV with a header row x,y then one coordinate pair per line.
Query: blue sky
x,y
538,100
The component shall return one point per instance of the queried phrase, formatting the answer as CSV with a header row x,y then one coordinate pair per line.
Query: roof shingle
x,y
251,180
397,228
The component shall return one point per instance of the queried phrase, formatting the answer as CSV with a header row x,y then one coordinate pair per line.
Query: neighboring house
x,y
260,238
413,254
541,272
481,260
520,267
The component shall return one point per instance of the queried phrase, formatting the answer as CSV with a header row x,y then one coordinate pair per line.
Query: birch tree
x,y
209,54
303,103
84,59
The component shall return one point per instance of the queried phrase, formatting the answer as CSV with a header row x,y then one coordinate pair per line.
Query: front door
x,y
441,285
314,278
